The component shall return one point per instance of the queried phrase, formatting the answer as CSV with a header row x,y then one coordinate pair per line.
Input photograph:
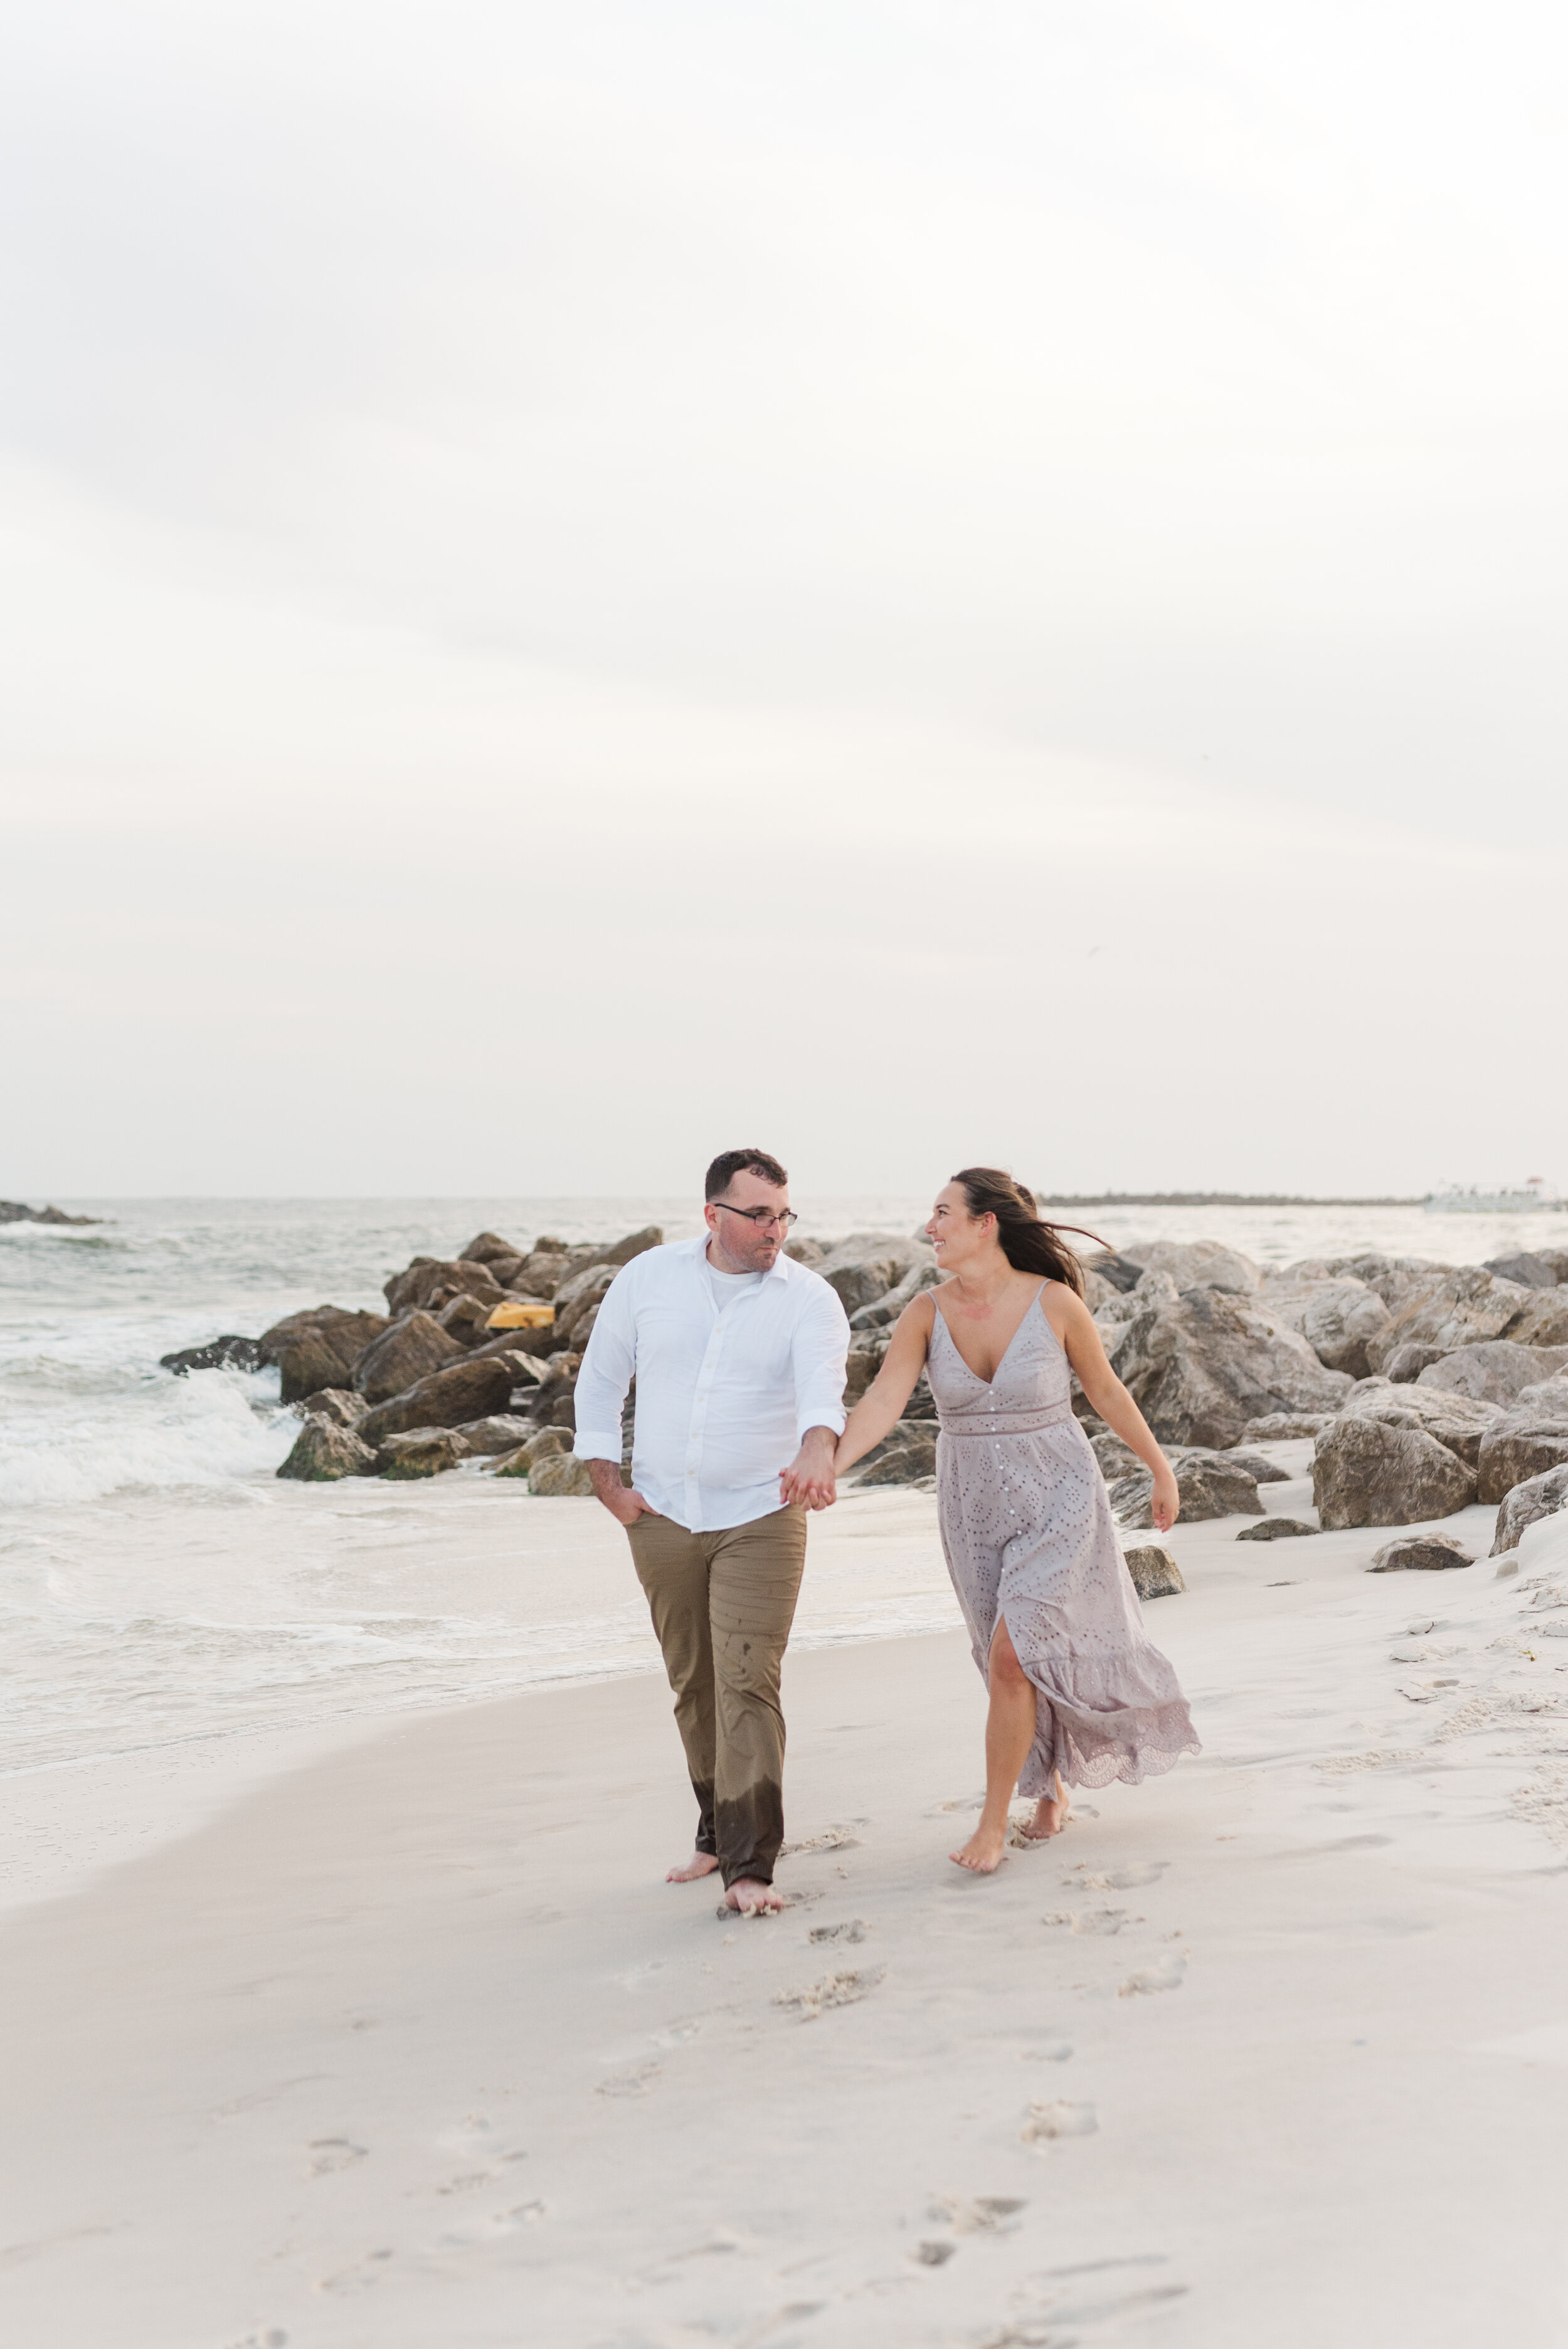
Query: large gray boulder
x,y
318,1347
621,1251
1538,1497
322,1453
341,1405
540,1273
489,1247
1197,1264
887,1307
1421,1554
1338,1319
1210,1485
1459,1422
487,1438
561,1477
1155,1573
1452,1309
411,1350
1203,1365
905,1462
430,1278
418,1452
1116,1270
1365,1472
448,1398
229,1352
1525,1442
540,1445
1544,1321
862,1268
1497,1370
1404,1366
1528,1271
863,1362
1116,1458
467,1318
576,1303
1396,1278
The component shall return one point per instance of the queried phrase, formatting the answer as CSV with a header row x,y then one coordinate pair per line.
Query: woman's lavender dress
x,y
1028,1532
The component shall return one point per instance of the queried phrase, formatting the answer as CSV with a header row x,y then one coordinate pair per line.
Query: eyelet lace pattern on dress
x,y
1027,1530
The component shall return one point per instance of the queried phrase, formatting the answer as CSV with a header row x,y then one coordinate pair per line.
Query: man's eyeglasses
x,y
760,1217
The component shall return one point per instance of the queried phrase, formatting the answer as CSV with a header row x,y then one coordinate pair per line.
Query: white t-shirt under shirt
x,y
727,1285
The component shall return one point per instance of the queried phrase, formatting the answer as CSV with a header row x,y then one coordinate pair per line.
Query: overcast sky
x,y
905,582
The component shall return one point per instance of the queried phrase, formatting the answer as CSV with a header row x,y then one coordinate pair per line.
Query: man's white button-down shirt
x,y
724,1393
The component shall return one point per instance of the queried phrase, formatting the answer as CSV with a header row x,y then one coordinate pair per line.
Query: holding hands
x,y
809,1479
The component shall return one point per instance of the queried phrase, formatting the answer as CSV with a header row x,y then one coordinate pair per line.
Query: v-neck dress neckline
x,y
1002,1359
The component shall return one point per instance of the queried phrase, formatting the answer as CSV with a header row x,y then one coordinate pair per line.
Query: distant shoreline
x,y
1209,1199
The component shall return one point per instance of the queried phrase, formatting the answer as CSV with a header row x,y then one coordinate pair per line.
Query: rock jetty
x,y
13,1211
1423,1386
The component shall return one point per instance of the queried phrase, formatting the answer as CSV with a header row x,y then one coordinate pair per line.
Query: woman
x,y
1077,1691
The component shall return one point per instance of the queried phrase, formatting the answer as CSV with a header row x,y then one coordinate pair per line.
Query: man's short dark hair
x,y
731,1163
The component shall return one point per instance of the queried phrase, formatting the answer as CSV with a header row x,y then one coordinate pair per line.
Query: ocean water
x,y
157,1582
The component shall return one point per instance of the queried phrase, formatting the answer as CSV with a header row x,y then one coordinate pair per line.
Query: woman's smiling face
x,y
953,1231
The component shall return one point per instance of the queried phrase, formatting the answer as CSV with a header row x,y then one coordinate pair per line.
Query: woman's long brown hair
x,y
1028,1242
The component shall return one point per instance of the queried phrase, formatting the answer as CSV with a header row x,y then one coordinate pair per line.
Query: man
x,y
739,1355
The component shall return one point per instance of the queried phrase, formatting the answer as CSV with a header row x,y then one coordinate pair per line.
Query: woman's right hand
x,y
1165,1501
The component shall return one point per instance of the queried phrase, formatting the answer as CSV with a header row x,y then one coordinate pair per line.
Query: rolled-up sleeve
x,y
606,1373
820,1343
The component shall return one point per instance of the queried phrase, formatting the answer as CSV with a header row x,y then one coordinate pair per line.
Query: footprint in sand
x,y
978,2214
833,1990
1051,2051
636,2081
474,2141
832,1840
330,2153
1169,1974
676,2034
359,2277
1123,1880
1088,1921
933,2254
494,2226
854,1931
273,2337
1059,2119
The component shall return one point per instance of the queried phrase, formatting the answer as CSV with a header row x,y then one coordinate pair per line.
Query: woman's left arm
x,y
1074,1325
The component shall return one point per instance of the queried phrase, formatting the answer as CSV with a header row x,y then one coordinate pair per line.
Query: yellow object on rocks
x,y
515,1314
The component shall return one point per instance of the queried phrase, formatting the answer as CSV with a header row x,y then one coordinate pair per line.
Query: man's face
x,y
741,1246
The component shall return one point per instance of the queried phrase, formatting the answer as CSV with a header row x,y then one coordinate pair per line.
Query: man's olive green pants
x,y
722,1605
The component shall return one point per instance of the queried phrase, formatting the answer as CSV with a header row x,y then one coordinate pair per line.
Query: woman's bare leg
x,y
1009,1734
1050,1815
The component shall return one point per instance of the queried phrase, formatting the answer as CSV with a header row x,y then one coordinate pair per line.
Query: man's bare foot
x,y
701,1863
983,1852
752,1898
1051,1816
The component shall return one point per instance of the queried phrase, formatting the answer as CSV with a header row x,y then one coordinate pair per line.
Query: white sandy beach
x,y
389,2034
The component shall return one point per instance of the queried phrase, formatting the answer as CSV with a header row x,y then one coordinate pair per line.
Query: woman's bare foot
x,y
983,1852
1051,1816
751,1898
701,1863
